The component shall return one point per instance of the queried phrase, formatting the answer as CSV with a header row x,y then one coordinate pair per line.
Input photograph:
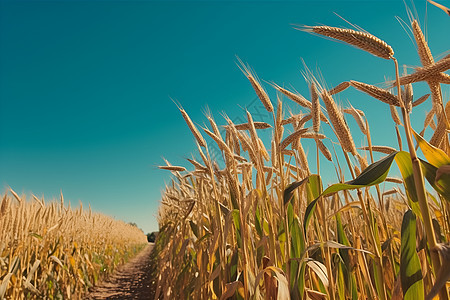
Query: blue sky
x,y
85,86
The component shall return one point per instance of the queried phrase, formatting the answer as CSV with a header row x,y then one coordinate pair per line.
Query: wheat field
x,y
49,250
262,225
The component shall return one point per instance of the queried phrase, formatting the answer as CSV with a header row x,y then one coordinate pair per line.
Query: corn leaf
x,y
237,225
373,174
288,193
442,186
410,272
434,156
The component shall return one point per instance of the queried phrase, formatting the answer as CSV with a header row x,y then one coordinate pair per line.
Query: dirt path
x,y
134,280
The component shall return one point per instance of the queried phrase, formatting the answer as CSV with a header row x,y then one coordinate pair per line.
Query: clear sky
x,y
85,86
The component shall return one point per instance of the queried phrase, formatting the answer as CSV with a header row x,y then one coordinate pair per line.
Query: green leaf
x,y
288,193
258,222
442,186
410,272
237,225
373,174
314,191
298,243
340,282
314,187
194,228
309,213
350,281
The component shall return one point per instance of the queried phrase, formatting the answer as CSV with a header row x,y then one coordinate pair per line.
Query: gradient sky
x,y
85,86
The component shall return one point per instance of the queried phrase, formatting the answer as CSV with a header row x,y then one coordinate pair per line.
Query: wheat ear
x,y
260,92
376,92
339,88
292,137
258,125
337,119
426,72
200,140
362,40
315,107
381,149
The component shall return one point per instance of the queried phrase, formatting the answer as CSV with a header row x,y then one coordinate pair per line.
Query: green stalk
x,y
420,186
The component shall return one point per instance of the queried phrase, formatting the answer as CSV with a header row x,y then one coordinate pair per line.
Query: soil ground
x,y
134,280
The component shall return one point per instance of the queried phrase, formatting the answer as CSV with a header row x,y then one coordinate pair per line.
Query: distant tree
x,y
135,225
151,237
